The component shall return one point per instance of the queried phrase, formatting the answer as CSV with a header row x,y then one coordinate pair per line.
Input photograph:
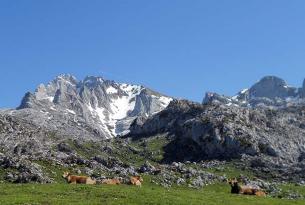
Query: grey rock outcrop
x,y
302,90
222,132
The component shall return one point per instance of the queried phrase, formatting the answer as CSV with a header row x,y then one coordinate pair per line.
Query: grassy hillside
x,y
136,153
124,194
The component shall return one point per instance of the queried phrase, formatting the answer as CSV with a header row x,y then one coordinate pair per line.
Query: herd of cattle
x,y
74,179
236,188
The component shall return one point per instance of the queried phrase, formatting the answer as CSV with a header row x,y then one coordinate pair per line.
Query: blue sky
x,y
179,47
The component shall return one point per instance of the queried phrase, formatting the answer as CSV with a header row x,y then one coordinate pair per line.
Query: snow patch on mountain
x,y
165,101
111,90
50,98
71,111
244,91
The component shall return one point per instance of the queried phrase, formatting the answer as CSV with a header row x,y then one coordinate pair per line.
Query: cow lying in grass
x,y
136,180
247,190
73,179
111,181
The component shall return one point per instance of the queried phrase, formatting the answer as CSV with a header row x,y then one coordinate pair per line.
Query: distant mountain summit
x,y
270,91
105,107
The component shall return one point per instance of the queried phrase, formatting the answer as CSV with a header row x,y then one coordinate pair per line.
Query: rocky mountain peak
x,y
63,82
102,105
92,81
66,77
270,91
271,87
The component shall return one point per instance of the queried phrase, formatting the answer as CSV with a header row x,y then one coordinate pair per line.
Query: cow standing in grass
x,y
73,179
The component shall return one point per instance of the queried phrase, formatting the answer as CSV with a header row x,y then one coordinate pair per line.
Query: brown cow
x,y
260,193
247,190
111,181
136,180
73,179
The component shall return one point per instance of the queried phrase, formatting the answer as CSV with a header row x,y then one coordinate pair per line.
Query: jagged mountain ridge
x,y
270,91
217,131
93,105
265,122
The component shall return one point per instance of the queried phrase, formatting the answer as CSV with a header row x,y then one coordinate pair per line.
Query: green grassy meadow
x,y
124,194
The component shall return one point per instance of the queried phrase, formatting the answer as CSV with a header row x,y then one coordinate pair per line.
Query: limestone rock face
x,y
272,87
302,90
216,131
94,106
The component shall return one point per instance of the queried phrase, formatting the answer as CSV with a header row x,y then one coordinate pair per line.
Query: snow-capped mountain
x,y
270,91
93,105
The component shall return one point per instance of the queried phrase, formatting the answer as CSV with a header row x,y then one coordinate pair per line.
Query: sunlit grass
x,y
124,194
